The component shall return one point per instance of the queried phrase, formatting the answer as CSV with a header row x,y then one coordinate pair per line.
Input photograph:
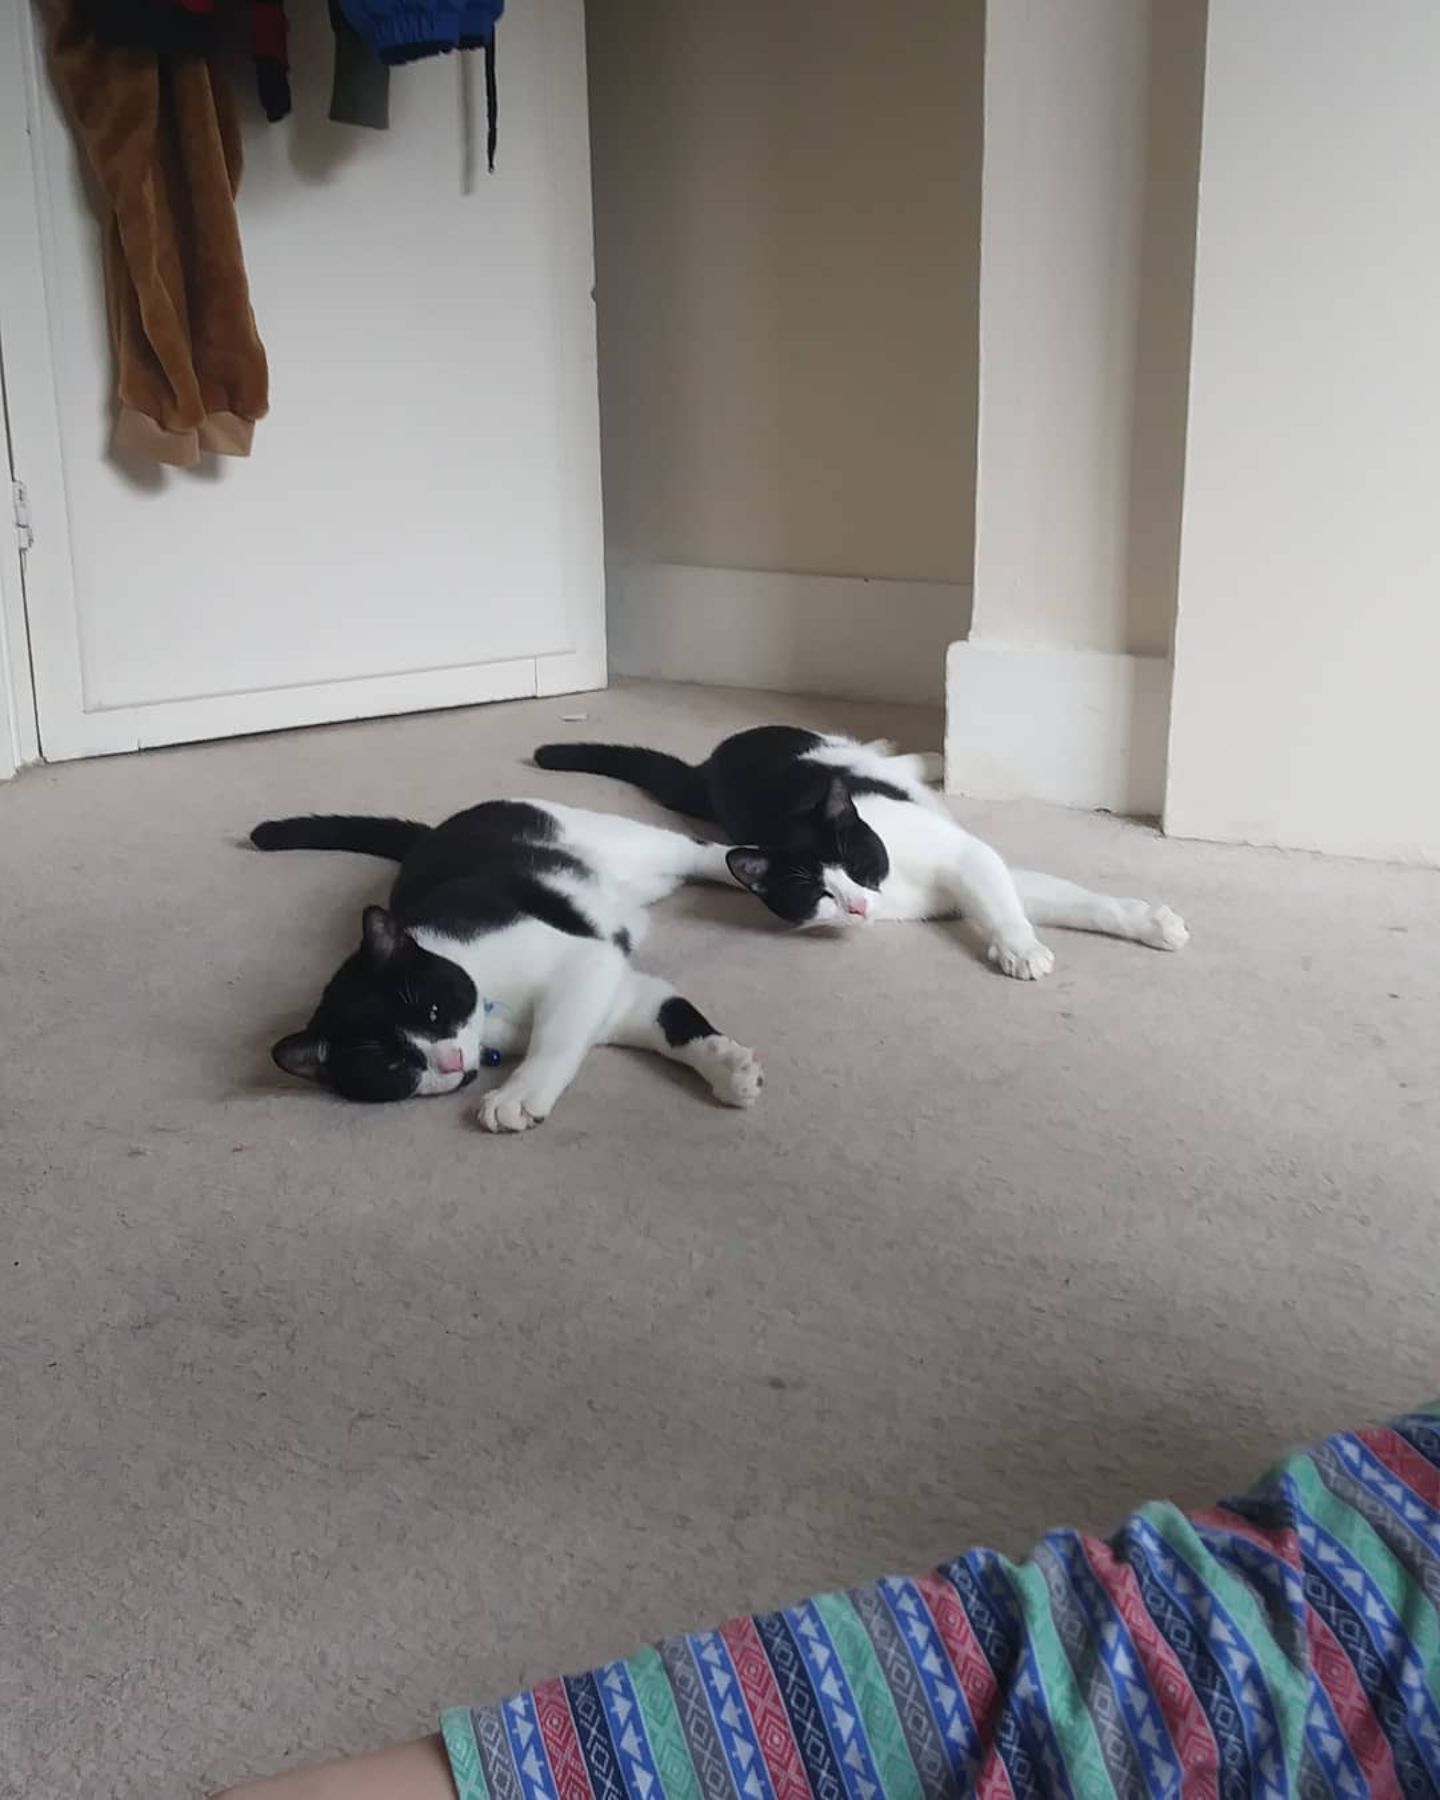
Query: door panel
x,y
419,521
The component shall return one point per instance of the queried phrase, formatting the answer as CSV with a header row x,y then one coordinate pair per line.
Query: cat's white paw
x,y
734,1073
1023,961
511,1107
1163,929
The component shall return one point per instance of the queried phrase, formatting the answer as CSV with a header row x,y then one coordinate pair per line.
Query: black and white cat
x,y
842,832
508,932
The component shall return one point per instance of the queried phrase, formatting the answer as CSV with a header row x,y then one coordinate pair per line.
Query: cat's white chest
x,y
502,1026
510,968
920,840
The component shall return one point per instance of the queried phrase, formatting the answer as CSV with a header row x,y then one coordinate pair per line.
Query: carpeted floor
x,y
314,1418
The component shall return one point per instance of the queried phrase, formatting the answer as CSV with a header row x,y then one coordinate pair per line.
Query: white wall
x,y
1091,140
787,226
1092,115
1305,708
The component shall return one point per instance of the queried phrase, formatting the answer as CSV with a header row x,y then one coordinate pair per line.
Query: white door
x,y
419,522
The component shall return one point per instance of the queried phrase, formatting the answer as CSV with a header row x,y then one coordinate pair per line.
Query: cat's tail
x,y
393,839
665,778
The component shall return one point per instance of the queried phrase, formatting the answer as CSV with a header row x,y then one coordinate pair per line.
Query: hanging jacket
x,y
181,28
401,31
360,87
162,139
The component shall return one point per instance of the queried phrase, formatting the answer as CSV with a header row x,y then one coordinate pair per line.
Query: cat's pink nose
x,y
450,1060
859,908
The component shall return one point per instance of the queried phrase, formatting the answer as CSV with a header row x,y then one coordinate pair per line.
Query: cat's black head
x,y
826,872
393,1021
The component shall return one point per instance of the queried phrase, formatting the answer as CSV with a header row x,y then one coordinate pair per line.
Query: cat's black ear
x,y
749,867
838,808
302,1053
382,935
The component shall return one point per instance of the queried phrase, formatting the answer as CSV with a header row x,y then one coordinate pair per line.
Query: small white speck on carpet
x,y
317,1418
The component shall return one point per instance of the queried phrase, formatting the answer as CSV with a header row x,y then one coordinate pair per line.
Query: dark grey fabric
x,y
360,92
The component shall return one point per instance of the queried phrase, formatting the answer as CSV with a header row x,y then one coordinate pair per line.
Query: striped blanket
x,y
1283,1643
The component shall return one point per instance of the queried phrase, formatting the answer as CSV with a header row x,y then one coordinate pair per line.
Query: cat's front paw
x,y
1164,929
1025,960
733,1072
514,1106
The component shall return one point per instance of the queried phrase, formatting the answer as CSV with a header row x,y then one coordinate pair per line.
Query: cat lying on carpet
x,y
847,832
509,931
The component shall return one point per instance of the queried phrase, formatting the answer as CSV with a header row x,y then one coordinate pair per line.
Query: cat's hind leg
x,y
1051,901
648,861
651,1015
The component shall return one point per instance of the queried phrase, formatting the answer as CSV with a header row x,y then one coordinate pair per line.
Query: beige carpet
x,y
314,1418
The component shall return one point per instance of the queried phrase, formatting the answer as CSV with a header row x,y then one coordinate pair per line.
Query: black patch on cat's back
x,y
682,1023
759,784
473,907
489,867
556,909
463,908
503,835
768,787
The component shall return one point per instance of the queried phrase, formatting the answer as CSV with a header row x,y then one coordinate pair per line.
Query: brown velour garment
x,y
163,144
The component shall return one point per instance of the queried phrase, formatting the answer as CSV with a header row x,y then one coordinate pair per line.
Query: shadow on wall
x,y
1176,77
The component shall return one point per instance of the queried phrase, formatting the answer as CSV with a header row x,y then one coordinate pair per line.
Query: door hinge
x,y
21,502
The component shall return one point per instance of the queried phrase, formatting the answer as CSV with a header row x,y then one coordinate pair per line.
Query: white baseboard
x,y
804,634
1077,727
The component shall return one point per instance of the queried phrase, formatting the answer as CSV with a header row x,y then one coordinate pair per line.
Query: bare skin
x,y
418,1771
